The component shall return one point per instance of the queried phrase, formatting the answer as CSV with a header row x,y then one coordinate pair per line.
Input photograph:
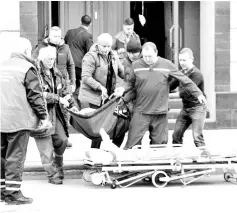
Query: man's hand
x,y
104,93
118,92
74,109
73,87
202,100
64,102
44,124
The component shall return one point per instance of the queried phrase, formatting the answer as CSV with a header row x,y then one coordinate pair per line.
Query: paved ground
x,y
210,194
223,140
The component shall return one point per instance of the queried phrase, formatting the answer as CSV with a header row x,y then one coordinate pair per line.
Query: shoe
x,y
204,151
11,200
69,144
60,173
55,179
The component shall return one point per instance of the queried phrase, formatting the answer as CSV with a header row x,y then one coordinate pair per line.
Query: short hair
x,y
187,50
86,20
46,51
148,45
55,28
128,21
20,45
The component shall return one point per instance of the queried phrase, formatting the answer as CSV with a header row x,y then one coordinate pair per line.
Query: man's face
x,y
128,29
55,37
104,48
149,55
133,56
49,60
185,61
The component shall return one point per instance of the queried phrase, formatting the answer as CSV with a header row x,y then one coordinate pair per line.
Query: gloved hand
x,y
74,109
44,124
64,101
118,92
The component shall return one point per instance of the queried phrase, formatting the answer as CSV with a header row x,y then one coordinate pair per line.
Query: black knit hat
x,y
134,46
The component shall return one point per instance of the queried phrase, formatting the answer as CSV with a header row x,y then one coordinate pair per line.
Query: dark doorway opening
x,y
154,29
55,13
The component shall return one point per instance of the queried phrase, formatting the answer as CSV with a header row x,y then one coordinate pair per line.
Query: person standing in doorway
x,y
121,39
79,41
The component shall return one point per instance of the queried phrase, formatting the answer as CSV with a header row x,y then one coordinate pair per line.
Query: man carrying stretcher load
x,y
149,86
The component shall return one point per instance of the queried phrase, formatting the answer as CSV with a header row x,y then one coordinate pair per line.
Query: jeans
x,y
52,148
187,116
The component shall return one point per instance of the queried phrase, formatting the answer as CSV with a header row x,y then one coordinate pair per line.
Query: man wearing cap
x,y
122,38
101,69
150,79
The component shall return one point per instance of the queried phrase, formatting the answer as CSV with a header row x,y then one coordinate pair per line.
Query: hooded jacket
x,y
22,102
64,60
94,74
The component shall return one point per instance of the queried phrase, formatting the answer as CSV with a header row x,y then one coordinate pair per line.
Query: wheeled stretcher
x,y
159,169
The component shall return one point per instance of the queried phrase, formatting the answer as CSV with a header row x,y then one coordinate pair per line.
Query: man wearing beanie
x,y
101,69
133,53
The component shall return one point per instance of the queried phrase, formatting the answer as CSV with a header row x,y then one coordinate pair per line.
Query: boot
x,y
60,173
55,179
17,199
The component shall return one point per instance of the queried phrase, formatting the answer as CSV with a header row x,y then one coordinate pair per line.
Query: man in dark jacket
x,y
79,41
150,79
64,60
193,112
23,108
121,39
53,140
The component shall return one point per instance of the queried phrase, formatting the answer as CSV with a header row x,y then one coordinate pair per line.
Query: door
x,y
184,29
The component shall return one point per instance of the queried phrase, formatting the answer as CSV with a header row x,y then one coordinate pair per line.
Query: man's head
x,y
104,42
55,35
150,53
128,26
133,49
21,45
86,20
47,55
186,58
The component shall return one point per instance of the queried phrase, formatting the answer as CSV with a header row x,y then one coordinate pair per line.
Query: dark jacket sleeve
x,y
34,94
71,67
174,84
89,42
187,83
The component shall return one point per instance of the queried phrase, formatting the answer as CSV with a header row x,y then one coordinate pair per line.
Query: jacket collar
x,y
122,37
23,56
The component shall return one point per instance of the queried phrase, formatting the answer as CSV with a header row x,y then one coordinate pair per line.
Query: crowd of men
x,y
76,73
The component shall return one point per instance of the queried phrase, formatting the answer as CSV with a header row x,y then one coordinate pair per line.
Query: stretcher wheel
x,y
87,175
228,176
113,185
156,179
96,178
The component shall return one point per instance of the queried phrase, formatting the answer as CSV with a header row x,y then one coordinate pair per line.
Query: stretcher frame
x,y
159,172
